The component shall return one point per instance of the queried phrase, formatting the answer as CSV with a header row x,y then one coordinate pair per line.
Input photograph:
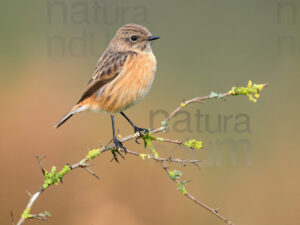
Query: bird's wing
x,y
108,68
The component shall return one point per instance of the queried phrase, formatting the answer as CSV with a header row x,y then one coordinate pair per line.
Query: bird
x,y
123,77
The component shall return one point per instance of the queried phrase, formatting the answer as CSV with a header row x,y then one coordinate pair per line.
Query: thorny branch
x,y
252,91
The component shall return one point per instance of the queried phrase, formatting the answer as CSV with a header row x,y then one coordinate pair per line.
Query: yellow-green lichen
x,y
252,91
193,144
148,143
159,139
93,153
175,174
181,188
53,177
165,124
26,214
145,156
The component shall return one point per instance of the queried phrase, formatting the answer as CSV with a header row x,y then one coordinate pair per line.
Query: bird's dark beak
x,y
152,38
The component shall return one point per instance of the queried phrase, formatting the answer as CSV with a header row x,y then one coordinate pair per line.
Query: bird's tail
x,y
75,109
64,119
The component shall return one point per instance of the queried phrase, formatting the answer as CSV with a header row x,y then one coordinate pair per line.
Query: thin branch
x,y
173,141
29,205
202,100
183,162
83,163
191,197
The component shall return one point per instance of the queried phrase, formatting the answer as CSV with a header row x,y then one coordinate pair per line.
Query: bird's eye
x,y
133,38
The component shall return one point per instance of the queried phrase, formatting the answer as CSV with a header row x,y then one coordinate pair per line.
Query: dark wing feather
x,y
108,68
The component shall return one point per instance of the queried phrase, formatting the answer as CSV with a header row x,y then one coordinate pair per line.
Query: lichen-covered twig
x,y
183,162
53,177
175,176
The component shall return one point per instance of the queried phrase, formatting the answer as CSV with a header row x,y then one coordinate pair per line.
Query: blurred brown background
x,y
48,51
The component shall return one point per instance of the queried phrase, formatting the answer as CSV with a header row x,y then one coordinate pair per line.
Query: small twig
x,y
32,199
201,100
191,197
184,162
171,141
40,216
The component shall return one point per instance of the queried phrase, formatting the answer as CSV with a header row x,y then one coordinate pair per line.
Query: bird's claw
x,y
141,131
118,146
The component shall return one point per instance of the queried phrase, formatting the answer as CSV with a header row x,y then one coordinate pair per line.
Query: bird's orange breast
x,y
131,85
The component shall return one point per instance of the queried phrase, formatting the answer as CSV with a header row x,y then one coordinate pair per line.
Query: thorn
x,y
200,101
30,195
92,172
164,166
12,217
40,216
184,162
217,209
102,145
40,162
86,164
43,157
197,164
110,141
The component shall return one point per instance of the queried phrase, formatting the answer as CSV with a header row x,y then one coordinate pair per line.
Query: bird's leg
x,y
136,128
118,144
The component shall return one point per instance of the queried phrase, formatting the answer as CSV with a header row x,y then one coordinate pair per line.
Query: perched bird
x,y
123,76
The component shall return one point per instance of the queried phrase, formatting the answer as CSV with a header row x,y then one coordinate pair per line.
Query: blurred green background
x,y
48,50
